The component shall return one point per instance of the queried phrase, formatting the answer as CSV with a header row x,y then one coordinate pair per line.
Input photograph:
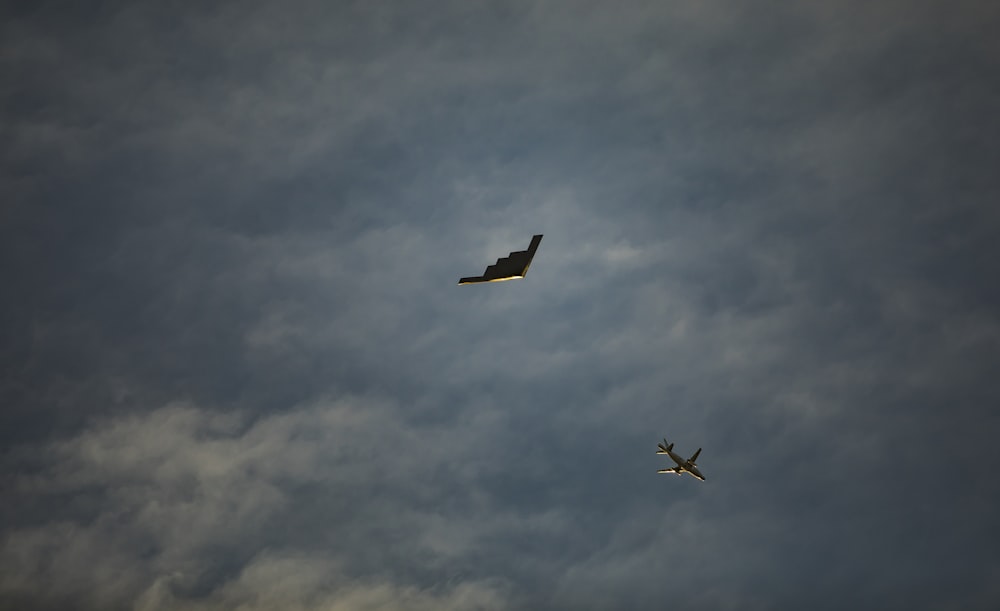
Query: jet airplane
x,y
514,265
683,466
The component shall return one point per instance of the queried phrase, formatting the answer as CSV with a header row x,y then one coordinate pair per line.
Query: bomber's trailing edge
x,y
683,466
514,265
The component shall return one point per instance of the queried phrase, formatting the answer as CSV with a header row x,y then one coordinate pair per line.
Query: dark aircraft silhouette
x,y
683,466
515,265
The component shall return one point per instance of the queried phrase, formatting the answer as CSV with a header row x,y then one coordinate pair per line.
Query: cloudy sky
x,y
236,369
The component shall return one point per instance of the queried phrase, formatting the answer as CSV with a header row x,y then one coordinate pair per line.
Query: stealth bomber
x,y
515,265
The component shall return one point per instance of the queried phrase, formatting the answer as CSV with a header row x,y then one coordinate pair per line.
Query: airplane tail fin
x,y
664,447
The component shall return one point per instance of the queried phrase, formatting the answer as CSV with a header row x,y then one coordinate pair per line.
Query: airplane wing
x,y
674,470
695,457
515,265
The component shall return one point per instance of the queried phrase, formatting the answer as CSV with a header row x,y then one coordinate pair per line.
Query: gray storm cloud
x,y
236,371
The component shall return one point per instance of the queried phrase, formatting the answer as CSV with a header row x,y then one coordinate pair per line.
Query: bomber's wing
x,y
515,265
695,457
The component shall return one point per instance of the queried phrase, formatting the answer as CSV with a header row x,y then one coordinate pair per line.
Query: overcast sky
x,y
237,370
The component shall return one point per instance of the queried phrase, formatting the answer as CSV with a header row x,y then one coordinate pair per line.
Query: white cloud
x,y
180,489
313,582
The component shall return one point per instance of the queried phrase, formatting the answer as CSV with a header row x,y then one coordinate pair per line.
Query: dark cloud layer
x,y
237,372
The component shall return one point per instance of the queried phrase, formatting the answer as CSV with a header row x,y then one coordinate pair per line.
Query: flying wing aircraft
x,y
514,265
683,466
